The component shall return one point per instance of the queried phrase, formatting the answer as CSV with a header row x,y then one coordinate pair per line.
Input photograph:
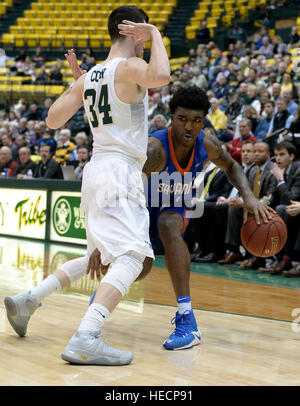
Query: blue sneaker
x,y
186,333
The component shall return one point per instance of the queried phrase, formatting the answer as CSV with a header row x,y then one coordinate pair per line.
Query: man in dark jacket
x,y
287,174
47,167
27,166
262,183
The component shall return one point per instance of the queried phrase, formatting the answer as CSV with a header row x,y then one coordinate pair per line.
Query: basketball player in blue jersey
x,y
183,149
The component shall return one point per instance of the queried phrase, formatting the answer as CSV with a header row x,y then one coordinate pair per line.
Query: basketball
x,y
265,239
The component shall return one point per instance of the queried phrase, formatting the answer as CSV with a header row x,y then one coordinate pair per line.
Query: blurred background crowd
x,y
254,90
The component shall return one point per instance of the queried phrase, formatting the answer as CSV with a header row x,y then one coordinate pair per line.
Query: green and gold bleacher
x,y
72,23
220,13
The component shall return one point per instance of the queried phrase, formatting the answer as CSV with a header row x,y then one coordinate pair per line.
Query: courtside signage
x,y
67,219
23,212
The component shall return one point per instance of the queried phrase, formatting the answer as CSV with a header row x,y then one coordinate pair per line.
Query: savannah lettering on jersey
x,y
173,186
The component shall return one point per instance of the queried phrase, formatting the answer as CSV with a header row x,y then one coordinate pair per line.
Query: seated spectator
x,y
199,79
215,63
250,113
64,148
282,119
293,243
279,46
158,107
266,48
236,33
245,134
56,77
276,91
48,139
80,140
240,50
203,35
287,174
295,126
23,126
262,183
234,107
36,138
252,98
263,33
47,104
33,113
158,123
216,116
42,78
83,159
287,83
27,166
20,142
38,58
47,167
291,106
6,162
293,38
212,244
242,92
222,88
264,123
6,141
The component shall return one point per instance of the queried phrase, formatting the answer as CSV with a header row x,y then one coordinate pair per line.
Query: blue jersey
x,y
173,187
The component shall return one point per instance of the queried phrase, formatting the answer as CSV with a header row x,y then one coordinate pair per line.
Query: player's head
x,y
130,13
188,108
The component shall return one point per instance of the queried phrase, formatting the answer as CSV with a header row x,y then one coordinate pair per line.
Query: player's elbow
x,y
163,78
52,123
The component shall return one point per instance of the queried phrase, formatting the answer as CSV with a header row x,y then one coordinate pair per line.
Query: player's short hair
x,y
192,98
131,13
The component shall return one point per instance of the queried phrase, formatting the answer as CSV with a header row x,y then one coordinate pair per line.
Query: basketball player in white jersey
x,y
115,98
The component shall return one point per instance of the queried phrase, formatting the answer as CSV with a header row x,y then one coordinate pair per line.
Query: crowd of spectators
x,y
254,90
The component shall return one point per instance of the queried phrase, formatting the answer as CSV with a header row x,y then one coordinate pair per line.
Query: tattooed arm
x,y
156,157
237,178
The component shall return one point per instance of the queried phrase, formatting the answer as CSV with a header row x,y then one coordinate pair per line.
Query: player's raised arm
x,y
156,157
66,105
156,73
237,178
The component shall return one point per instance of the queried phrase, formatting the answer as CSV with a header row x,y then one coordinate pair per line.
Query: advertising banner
x,y
67,219
23,212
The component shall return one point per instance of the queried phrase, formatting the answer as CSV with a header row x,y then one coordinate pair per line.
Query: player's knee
x,y
124,271
147,266
169,225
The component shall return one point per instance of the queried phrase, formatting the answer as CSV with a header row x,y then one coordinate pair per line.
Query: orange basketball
x,y
264,239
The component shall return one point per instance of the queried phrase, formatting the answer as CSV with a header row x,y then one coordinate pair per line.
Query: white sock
x,y
94,318
184,303
46,287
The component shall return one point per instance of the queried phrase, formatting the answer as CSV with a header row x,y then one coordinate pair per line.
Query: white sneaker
x,y
19,308
86,348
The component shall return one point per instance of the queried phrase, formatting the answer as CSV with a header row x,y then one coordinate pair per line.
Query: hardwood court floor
x,y
246,322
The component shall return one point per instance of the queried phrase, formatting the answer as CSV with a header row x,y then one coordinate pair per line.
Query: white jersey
x,y
118,128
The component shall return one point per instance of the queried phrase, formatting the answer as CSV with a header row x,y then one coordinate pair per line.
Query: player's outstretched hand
x,y
95,266
140,31
73,63
259,209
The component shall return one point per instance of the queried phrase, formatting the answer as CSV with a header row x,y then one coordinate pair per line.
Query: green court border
x,y
232,272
